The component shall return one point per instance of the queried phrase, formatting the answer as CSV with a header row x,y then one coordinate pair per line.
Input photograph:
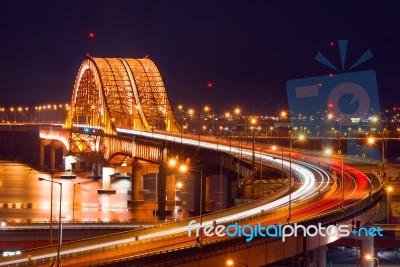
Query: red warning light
x,y
330,105
330,74
91,35
210,84
87,54
332,44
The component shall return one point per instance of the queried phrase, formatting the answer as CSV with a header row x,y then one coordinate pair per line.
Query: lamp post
x,y
370,258
228,116
290,178
73,203
328,151
230,262
180,107
371,142
388,191
51,210
253,159
183,168
201,208
59,218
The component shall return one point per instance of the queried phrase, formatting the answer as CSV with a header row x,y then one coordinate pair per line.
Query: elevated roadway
x,y
317,192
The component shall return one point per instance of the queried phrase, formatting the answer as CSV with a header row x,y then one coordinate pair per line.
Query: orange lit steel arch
x,y
111,93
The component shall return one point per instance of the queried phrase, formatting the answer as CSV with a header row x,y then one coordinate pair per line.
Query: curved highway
x,y
312,184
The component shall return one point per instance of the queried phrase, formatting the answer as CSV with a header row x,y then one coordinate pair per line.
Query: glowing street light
x,y
371,140
230,262
368,257
253,121
328,151
389,190
172,162
59,220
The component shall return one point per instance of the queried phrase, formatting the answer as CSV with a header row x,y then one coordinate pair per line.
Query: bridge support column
x,y
161,188
68,160
106,189
319,256
367,248
137,184
96,171
198,183
209,203
231,190
41,155
52,158
171,189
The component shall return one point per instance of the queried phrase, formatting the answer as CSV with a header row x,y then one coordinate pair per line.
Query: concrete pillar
x,y
78,166
367,248
41,155
319,256
171,182
209,202
52,157
199,182
96,171
68,160
106,188
161,178
137,184
231,190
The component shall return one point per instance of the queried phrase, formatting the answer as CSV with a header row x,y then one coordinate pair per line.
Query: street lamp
x,y
228,117
389,189
230,262
290,177
328,152
59,219
253,121
370,258
184,168
73,203
180,107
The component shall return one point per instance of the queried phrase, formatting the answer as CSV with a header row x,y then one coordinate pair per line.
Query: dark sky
x,y
247,49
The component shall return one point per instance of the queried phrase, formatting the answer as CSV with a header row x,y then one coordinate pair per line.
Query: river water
x,y
23,198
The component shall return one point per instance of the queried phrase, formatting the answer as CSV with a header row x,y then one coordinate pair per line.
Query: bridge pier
x,y
137,184
161,181
52,157
367,248
198,183
41,154
319,256
68,160
96,171
106,188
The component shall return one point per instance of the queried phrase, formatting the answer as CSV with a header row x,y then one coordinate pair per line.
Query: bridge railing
x,y
226,244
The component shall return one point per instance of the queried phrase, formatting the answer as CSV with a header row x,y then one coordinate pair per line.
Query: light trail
x,y
299,170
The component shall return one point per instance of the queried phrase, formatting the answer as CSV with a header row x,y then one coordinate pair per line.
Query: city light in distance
x,y
371,140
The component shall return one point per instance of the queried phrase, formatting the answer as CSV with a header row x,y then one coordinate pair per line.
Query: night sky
x,y
247,49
